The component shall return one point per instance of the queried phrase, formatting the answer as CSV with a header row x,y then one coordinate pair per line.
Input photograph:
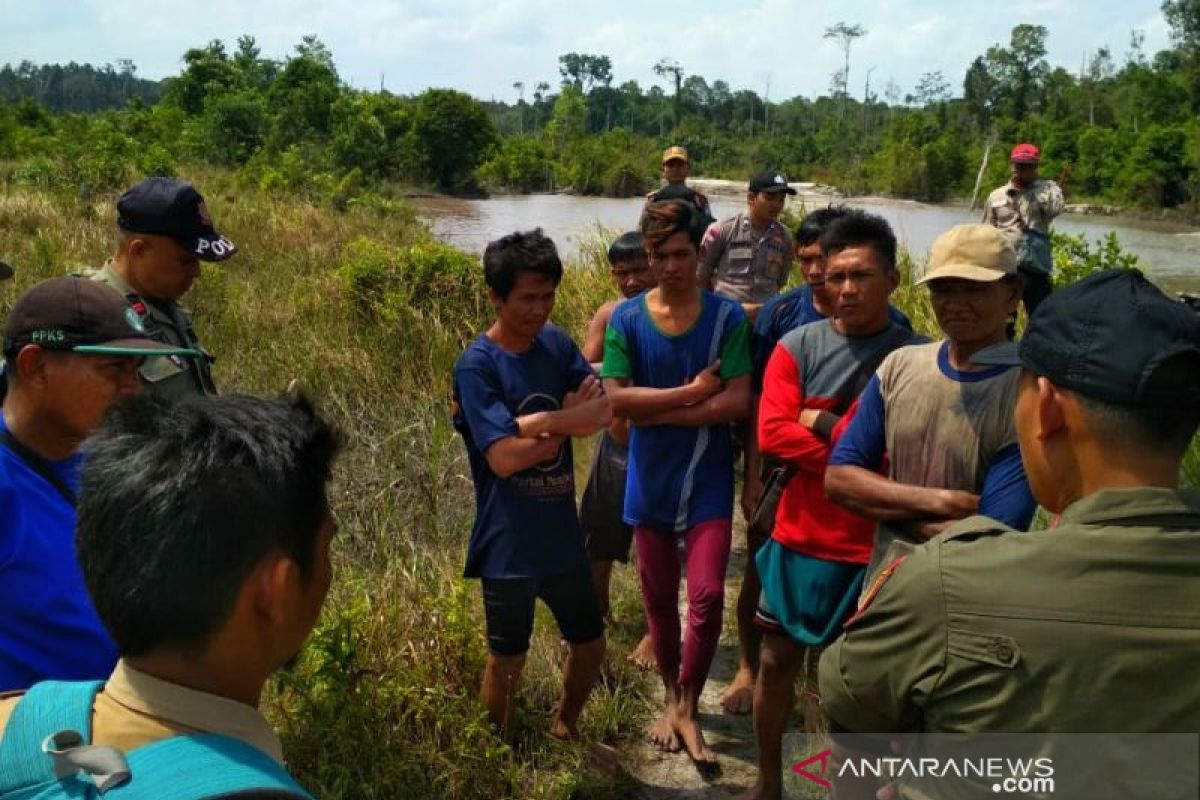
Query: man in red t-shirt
x,y
812,567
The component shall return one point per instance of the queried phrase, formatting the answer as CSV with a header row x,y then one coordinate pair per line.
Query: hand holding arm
x,y
584,412
639,403
728,405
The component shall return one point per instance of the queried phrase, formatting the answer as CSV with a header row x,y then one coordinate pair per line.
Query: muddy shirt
x,y
940,428
743,263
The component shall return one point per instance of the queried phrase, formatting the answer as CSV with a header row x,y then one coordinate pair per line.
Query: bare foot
x,y
643,655
692,738
662,733
738,698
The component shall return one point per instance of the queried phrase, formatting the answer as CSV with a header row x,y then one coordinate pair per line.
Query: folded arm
x,y
781,434
584,411
506,457
871,495
730,404
641,403
853,480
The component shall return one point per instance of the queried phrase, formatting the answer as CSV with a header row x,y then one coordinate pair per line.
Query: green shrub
x,y
156,160
390,284
1074,258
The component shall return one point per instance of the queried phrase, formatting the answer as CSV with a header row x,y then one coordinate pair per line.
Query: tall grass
x,y
367,313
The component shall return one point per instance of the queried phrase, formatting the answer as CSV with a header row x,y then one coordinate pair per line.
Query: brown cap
x,y
973,253
674,152
82,316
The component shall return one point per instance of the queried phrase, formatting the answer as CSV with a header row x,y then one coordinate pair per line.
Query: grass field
x,y
367,313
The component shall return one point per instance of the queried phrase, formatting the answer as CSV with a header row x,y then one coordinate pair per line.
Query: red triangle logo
x,y
818,779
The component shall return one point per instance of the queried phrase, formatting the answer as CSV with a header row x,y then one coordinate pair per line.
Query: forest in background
x,y
1122,129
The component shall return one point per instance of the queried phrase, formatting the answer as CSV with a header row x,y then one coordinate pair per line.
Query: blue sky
x,y
483,46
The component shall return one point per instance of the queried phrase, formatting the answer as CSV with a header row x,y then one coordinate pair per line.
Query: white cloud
x,y
482,46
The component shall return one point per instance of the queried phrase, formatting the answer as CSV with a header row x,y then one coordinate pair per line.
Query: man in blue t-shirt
x,y
522,389
71,347
677,365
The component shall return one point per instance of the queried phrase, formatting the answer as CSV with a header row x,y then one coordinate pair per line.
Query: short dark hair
x,y
178,502
523,251
1167,418
629,246
664,219
817,222
857,228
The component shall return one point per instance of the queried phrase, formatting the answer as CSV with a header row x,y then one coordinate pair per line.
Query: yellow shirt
x,y
135,709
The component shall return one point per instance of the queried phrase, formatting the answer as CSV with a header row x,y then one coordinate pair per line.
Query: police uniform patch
x,y
876,585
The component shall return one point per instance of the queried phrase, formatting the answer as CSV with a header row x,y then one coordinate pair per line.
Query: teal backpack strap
x,y
201,766
47,708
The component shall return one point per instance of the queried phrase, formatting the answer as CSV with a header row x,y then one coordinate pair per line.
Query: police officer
x,y
675,170
1093,625
165,231
747,257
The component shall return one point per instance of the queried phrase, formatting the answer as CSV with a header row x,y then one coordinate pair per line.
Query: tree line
x,y
1122,129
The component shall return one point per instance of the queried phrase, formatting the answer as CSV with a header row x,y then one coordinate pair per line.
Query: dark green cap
x,y
1103,337
82,316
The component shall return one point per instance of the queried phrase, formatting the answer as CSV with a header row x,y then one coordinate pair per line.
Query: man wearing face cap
x,y
1093,625
1023,209
164,232
72,347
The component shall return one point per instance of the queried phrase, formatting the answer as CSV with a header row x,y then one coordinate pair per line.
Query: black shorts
x,y
508,608
606,535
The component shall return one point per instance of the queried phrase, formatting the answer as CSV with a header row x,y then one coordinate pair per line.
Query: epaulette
x,y
974,528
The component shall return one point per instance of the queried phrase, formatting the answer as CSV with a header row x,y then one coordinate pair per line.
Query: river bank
x,y
1167,251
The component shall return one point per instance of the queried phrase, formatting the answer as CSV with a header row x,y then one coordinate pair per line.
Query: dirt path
x,y
673,776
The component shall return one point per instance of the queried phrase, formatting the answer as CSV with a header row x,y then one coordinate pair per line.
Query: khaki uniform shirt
x,y
136,709
172,377
1093,626
745,264
1014,210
